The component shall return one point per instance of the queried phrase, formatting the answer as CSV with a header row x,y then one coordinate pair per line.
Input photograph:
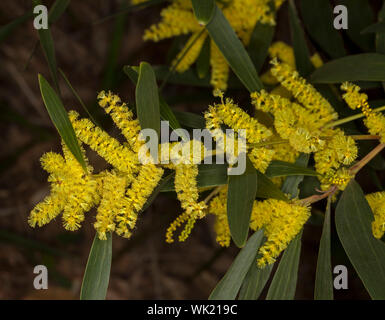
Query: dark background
x,y
92,53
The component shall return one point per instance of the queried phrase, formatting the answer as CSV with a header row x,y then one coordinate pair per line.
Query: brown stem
x,y
365,137
364,161
212,194
353,171
318,197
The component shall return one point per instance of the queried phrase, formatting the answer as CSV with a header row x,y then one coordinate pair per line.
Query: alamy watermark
x,y
41,280
341,20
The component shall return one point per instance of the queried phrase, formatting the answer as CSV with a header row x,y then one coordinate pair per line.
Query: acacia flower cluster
x,y
121,192
178,19
301,121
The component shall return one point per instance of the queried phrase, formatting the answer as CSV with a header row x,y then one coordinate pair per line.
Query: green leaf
x,y
203,10
380,37
360,16
259,44
232,49
190,120
240,198
378,27
301,51
203,61
48,47
97,273
324,282
284,281
254,282
68,83
147,99
285,278
366,253
228,287
291,183
319,26
165,111
364,67
60,119
7,29
267,189
109,80
283,169
57,9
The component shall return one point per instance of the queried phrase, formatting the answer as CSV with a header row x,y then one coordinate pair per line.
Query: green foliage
x,y
367,254
228,287
359,67
241,193
97,273
233,50
60,119
324,281
147,99
353,60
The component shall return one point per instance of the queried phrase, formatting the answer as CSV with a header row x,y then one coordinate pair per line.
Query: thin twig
x,y
360,164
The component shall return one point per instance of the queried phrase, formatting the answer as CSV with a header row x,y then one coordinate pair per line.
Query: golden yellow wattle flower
x,y
374,121
281,221
187,193
228,113
218,207
120,192
303,124
377,204
178,19
73,191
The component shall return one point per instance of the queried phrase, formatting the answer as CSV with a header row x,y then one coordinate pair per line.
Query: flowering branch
x,y
353,171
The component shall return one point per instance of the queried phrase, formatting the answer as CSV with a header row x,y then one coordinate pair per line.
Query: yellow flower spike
x,y
284,152
282,222
219,68
136,196
218,207
187,193
268,102
80,189
339,178
338,150
122,117
377,204
174,225
107,147
190,52
46,210
72,191
304,92
261,157
375,121
316,60
52,162
237,119
354,98
283,52
113,202
291,124
178,19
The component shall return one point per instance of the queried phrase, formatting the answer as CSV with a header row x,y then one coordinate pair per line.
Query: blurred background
x,y
92,45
